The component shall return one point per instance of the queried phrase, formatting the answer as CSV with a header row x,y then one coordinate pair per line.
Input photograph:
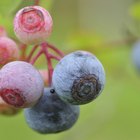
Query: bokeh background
x,y
107,28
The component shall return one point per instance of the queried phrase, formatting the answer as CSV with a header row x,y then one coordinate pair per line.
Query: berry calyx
x,y
33,25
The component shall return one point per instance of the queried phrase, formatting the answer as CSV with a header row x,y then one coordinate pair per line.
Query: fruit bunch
x,y
50,98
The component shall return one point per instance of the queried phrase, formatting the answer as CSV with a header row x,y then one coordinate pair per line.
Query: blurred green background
x,y
107,29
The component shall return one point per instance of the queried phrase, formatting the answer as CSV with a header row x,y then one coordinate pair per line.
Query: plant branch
x,y
49,63
36,2
60,53
23,49
36,57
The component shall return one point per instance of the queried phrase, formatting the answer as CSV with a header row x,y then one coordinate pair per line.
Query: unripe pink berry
x,y
32,25
8,50
21,85
2,32
6,109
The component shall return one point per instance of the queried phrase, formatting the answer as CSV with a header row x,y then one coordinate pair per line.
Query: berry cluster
x,y
51,97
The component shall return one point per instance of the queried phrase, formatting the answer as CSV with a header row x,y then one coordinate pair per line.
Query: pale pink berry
x,y
8,50
21,85
33,25
6,109
2,32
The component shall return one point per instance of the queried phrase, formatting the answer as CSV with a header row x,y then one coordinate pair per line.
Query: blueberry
x,y
21,84
136,55
50,114
78,78
33,24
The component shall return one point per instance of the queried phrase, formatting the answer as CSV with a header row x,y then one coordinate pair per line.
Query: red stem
x,y
55,49
36,57
54,57
23,49
31,53
36,2
48,58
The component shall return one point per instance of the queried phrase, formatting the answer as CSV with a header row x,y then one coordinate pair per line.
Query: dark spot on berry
x,y
52,91
78,54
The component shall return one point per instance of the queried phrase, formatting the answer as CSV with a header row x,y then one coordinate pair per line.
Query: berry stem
x,y
48,58
31,53
36,2
54,57
23,49
55,49
48,55
36,57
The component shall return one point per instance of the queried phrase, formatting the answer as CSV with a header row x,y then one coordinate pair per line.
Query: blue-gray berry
x,y
78,78
136,55
50,114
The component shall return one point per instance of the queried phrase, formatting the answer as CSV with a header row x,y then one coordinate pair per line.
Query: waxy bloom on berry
x,y
8,50
33,25
21,85
51,114
78,78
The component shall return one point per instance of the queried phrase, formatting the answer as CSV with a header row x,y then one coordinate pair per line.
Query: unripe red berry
x,y
6,109
2,32
33,25
21,85
8,50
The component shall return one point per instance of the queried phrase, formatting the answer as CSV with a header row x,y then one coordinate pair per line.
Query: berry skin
x,y
8,50
78,78
7,110
136,55
21,85
50,114
33,24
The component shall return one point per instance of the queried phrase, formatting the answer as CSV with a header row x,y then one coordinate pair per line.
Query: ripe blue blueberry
x,y
78,78
50,114
136,55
